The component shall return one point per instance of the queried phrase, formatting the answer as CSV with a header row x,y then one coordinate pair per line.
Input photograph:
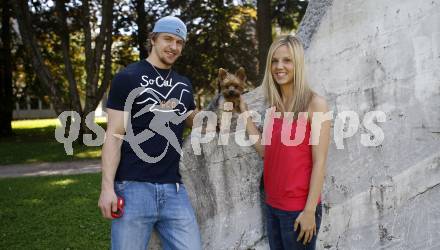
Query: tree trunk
x,y
94,56
142,35
63,32
94,60
107,68
6,73
264,34
29,41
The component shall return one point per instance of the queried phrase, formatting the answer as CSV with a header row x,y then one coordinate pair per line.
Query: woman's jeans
x,y
165,207
280,229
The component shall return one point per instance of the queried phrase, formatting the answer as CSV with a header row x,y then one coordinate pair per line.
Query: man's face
x,y
167,47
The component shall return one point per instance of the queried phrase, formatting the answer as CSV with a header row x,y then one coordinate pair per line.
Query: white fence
x,y
35,108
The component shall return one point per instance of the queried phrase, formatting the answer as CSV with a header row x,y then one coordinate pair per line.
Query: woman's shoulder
x,y
318,104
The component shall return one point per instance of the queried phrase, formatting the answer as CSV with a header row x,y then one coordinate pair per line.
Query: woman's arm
x,y
252,129
321,135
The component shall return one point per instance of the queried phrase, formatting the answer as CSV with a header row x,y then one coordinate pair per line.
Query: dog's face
x,y
231,86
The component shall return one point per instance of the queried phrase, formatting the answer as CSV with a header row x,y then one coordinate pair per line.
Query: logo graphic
x,y
154,98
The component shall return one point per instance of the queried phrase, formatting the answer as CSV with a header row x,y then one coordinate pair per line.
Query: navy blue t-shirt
x,y
158,109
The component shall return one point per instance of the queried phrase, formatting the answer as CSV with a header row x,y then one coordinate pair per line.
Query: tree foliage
x,y
69,50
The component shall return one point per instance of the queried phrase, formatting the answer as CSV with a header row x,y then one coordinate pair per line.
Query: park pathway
x,y
51,168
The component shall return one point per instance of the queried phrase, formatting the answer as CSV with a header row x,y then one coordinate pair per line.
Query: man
x,y
146,172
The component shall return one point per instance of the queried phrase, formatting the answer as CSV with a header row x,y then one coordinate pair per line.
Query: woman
x,y
293,172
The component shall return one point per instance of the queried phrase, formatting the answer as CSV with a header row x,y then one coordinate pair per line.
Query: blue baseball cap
x,y
171,24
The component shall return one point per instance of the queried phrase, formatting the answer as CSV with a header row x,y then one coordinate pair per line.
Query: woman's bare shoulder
x,y
318,104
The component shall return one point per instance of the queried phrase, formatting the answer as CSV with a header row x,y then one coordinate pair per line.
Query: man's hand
x,y
306,219
190,118
108,203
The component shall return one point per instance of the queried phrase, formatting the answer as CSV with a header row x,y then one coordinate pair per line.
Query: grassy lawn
x,y
34,141
56,212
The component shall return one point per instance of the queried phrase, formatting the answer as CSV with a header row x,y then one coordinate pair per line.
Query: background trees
x,y
68,50
6,71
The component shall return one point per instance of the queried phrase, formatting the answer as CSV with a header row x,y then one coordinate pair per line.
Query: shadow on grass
x,y
58,212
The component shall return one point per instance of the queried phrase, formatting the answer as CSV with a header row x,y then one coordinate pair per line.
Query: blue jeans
x,y
280,229
159,206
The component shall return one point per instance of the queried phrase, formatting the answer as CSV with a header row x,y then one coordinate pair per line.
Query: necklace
x,y
169,72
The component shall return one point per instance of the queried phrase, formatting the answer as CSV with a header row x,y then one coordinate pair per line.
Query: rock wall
x,y
223,182
380,55
362,56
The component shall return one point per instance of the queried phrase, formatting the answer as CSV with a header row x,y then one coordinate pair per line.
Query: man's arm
x,y
189,120
111,154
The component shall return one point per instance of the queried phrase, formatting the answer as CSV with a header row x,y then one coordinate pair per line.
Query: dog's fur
x,y
230,87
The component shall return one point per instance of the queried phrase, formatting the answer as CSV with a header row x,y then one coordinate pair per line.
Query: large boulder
x,y
380,55
223,182
362,56
224,185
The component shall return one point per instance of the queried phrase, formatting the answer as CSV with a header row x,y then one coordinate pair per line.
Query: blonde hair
x,y
302,94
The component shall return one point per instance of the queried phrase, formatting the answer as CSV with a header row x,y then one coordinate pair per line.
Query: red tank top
x,y
288,168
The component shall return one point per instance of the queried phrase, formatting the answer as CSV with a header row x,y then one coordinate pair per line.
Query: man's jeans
x,y
165,207
280,229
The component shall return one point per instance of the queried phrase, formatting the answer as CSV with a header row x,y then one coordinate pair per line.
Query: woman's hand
x,y
243,105
306,219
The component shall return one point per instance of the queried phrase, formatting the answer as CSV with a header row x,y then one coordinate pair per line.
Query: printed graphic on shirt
x,y
163,102
166,109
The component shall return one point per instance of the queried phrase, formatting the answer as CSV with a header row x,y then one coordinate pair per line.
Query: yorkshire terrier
x,y
230,88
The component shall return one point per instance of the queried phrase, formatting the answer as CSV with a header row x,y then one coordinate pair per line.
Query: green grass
x,y
34,141
56,212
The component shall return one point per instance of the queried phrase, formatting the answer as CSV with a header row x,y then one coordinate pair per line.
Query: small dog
x,y
230,87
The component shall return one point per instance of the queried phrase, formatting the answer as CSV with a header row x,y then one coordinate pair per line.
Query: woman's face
x,y
282,66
